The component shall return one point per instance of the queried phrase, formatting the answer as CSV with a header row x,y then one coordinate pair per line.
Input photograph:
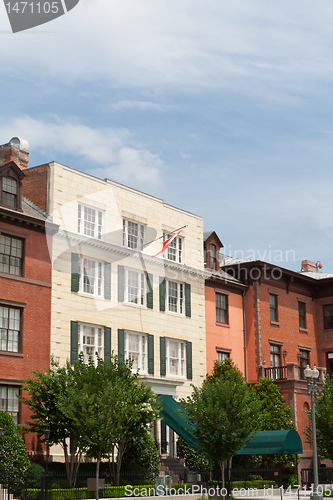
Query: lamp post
x,y
47,439
312,378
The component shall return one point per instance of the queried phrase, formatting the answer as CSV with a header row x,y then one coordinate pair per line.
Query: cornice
x,y
75,239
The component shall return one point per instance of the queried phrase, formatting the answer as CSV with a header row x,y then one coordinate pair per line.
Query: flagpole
x,y
156,239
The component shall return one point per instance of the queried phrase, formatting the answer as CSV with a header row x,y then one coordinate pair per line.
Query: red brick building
x,y
25,283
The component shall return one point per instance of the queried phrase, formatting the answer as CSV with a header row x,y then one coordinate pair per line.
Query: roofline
x,y
51,227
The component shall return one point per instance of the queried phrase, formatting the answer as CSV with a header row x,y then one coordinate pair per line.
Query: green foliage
x,y
196,462
324,419
35,474
13,456
227,370
225,411
276,416
289,480
142,451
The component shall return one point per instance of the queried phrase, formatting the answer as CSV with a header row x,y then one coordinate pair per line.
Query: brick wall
x,y
34,186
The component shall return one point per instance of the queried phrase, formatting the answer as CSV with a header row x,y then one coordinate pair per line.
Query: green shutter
x,y
189,360
75,273
162,294
188,299
107,344
121,345
74,340
164,442
107,280
121,283
151,354
162,356
150,299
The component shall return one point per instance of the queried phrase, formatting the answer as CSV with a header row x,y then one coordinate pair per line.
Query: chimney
x,y
17,150
309,266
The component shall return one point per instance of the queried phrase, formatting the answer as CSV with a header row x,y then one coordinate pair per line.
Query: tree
x,y
109,407
226,412
142,451
276,415
227,370
324,420
14,461
45,392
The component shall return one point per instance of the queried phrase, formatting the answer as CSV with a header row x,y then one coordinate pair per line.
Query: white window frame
x,y
130,238
222,355
85,344
138,354
93,278
9,401
10,329
91,228
176,358
175,251
175,297
141,288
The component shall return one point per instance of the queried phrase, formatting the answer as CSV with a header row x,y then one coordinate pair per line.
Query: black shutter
x,y
162,294
74,340
162,356
121,345
189,360
150,299
107,280
121,283
188,300
107,344
75,272
151,354
164,442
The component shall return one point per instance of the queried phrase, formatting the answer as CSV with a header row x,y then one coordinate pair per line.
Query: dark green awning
x,y
273,442
176,417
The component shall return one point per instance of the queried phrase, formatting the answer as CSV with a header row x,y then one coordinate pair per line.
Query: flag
x,y
166,243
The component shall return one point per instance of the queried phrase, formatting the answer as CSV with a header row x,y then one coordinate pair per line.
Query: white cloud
x,y
142,106
113,153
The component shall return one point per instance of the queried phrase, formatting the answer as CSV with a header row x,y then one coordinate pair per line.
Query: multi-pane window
x,y
11,253
175,249
328,316
212,256
133,234
90,221
304,360
136,349
91,341
9,192
221,356
302,314
135,287
221,302
176,358
275,361
175,297
9,329
9,401
91,276
273,305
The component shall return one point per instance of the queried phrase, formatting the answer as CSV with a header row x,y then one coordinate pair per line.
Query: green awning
x,y
273,442
176,417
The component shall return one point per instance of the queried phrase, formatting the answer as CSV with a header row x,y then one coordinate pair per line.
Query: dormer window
x,y
212,256
9,192
11,186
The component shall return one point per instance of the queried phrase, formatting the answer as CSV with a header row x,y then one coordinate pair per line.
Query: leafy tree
x,y
45,390
276,415
109,407
143,452
226,411
14,461
227,370
196,462
324,420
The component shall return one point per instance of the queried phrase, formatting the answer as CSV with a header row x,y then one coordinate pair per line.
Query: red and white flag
x,y
166,243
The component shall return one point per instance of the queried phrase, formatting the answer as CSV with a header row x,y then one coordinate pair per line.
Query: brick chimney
x,y
309,266
17,150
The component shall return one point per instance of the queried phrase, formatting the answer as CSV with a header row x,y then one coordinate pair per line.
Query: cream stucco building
x,y
109,293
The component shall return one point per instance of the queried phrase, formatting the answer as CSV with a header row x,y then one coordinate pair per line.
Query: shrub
x,y
35,475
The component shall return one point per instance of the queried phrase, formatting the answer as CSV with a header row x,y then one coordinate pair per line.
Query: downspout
x,y
244,332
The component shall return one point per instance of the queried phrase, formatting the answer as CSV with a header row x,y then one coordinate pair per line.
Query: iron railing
x,y
276,372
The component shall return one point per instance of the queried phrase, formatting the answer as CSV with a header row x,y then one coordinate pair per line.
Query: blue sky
x,y
221,108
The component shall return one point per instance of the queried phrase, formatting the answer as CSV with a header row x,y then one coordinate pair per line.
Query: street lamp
x,y
312,391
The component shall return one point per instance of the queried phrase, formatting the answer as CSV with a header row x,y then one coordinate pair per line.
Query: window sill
x,y
89,295
226,325
275,323
91,237
9,353
303,330
182,315
132,304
